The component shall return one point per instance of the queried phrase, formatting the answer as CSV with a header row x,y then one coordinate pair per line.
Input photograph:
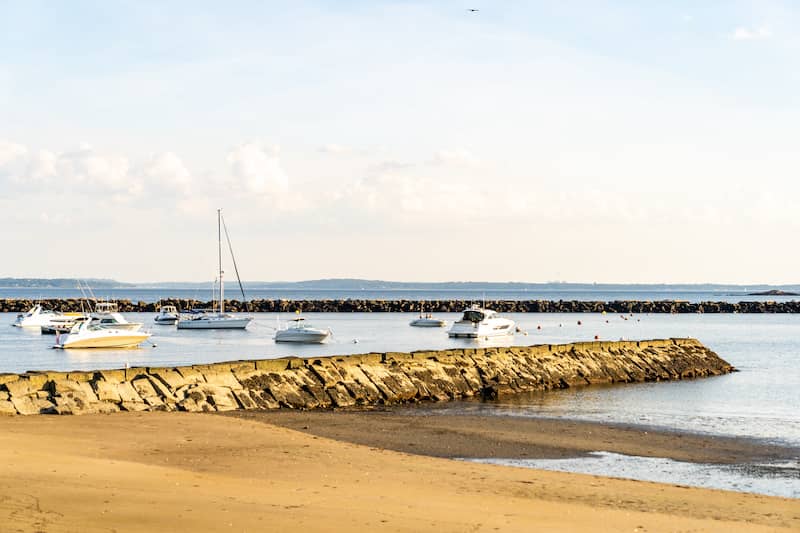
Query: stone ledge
x,y
361,379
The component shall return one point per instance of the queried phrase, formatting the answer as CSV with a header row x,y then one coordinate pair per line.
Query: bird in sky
x,y
473,10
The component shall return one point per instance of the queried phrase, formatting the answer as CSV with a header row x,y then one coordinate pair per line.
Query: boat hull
x,y
215,323
302,338
499,328
125,339
428,323
166,321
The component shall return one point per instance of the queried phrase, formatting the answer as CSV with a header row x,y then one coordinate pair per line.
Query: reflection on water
x,y
775,479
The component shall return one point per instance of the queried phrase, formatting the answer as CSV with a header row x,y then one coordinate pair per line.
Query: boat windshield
x,y
472,316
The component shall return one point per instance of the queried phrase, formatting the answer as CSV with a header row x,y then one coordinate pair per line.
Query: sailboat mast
x,y
219,255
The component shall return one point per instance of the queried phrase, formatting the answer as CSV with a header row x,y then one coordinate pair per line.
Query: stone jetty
x,y
350,380
439,306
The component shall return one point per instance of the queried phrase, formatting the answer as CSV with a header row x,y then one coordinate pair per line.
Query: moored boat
x,y
221,319
302,332
106,315
91,334
478,322
167,315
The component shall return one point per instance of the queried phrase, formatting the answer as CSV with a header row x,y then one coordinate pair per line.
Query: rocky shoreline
x,y
365,379
10,305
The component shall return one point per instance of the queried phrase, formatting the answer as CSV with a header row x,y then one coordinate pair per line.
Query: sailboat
x,y
221,319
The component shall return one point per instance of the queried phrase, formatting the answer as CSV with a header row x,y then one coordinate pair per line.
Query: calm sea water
x,y
154,295
761,401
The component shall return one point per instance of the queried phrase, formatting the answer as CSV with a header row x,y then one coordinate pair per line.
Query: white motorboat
x,y
428,321
167,315
301,331
478,322
35,317
106,315
221,319
91,334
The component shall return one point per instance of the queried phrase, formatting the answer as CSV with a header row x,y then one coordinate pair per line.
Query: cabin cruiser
x,y
106,315
301,331
427,321
167,315
92,334
478,322
221,319
35,317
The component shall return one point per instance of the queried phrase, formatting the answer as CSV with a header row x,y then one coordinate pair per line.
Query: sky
x,y
596,141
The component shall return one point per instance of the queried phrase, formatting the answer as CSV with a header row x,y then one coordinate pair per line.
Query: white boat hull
x,y
306,337
215,322
499,327
102,338
428,323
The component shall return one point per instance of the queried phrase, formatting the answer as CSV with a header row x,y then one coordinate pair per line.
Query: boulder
x,y
106,392
7,408
25,405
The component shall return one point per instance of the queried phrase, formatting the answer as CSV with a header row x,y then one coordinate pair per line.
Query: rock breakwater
x,y
440,306
365,379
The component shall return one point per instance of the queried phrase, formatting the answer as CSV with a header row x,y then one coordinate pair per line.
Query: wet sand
x,y
206,472
425,430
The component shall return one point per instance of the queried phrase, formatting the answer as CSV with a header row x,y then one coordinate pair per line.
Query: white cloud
x,y
458,156
11,152
751,34
335,149
87,166
256,168
168,170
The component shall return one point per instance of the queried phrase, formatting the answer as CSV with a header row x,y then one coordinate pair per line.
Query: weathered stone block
x,y
190,374
127,393
112,376
25,405
7,408
224,378
170,377
106,392
20,387
134,406
272,365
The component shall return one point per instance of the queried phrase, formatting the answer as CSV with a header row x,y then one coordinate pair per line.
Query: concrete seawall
x,y
367,379
438,306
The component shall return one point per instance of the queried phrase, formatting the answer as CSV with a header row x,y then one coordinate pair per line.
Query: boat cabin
x,y
106,307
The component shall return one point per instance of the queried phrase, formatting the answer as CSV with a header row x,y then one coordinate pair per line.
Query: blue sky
x,y
531,141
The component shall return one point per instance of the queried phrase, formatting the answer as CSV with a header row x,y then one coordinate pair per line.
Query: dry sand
x,y
202,472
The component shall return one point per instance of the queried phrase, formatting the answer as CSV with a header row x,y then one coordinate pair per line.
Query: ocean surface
x,y
760,401
154,295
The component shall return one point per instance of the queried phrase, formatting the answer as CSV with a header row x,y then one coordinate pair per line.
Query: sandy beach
x,y
202,472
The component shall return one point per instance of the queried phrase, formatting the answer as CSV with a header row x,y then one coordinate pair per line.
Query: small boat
x,y
427,321
303,332
478,322
91,334
221,319
36,317
167,315
106,315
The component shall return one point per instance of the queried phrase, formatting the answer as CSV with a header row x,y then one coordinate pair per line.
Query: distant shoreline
x,y
455,305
